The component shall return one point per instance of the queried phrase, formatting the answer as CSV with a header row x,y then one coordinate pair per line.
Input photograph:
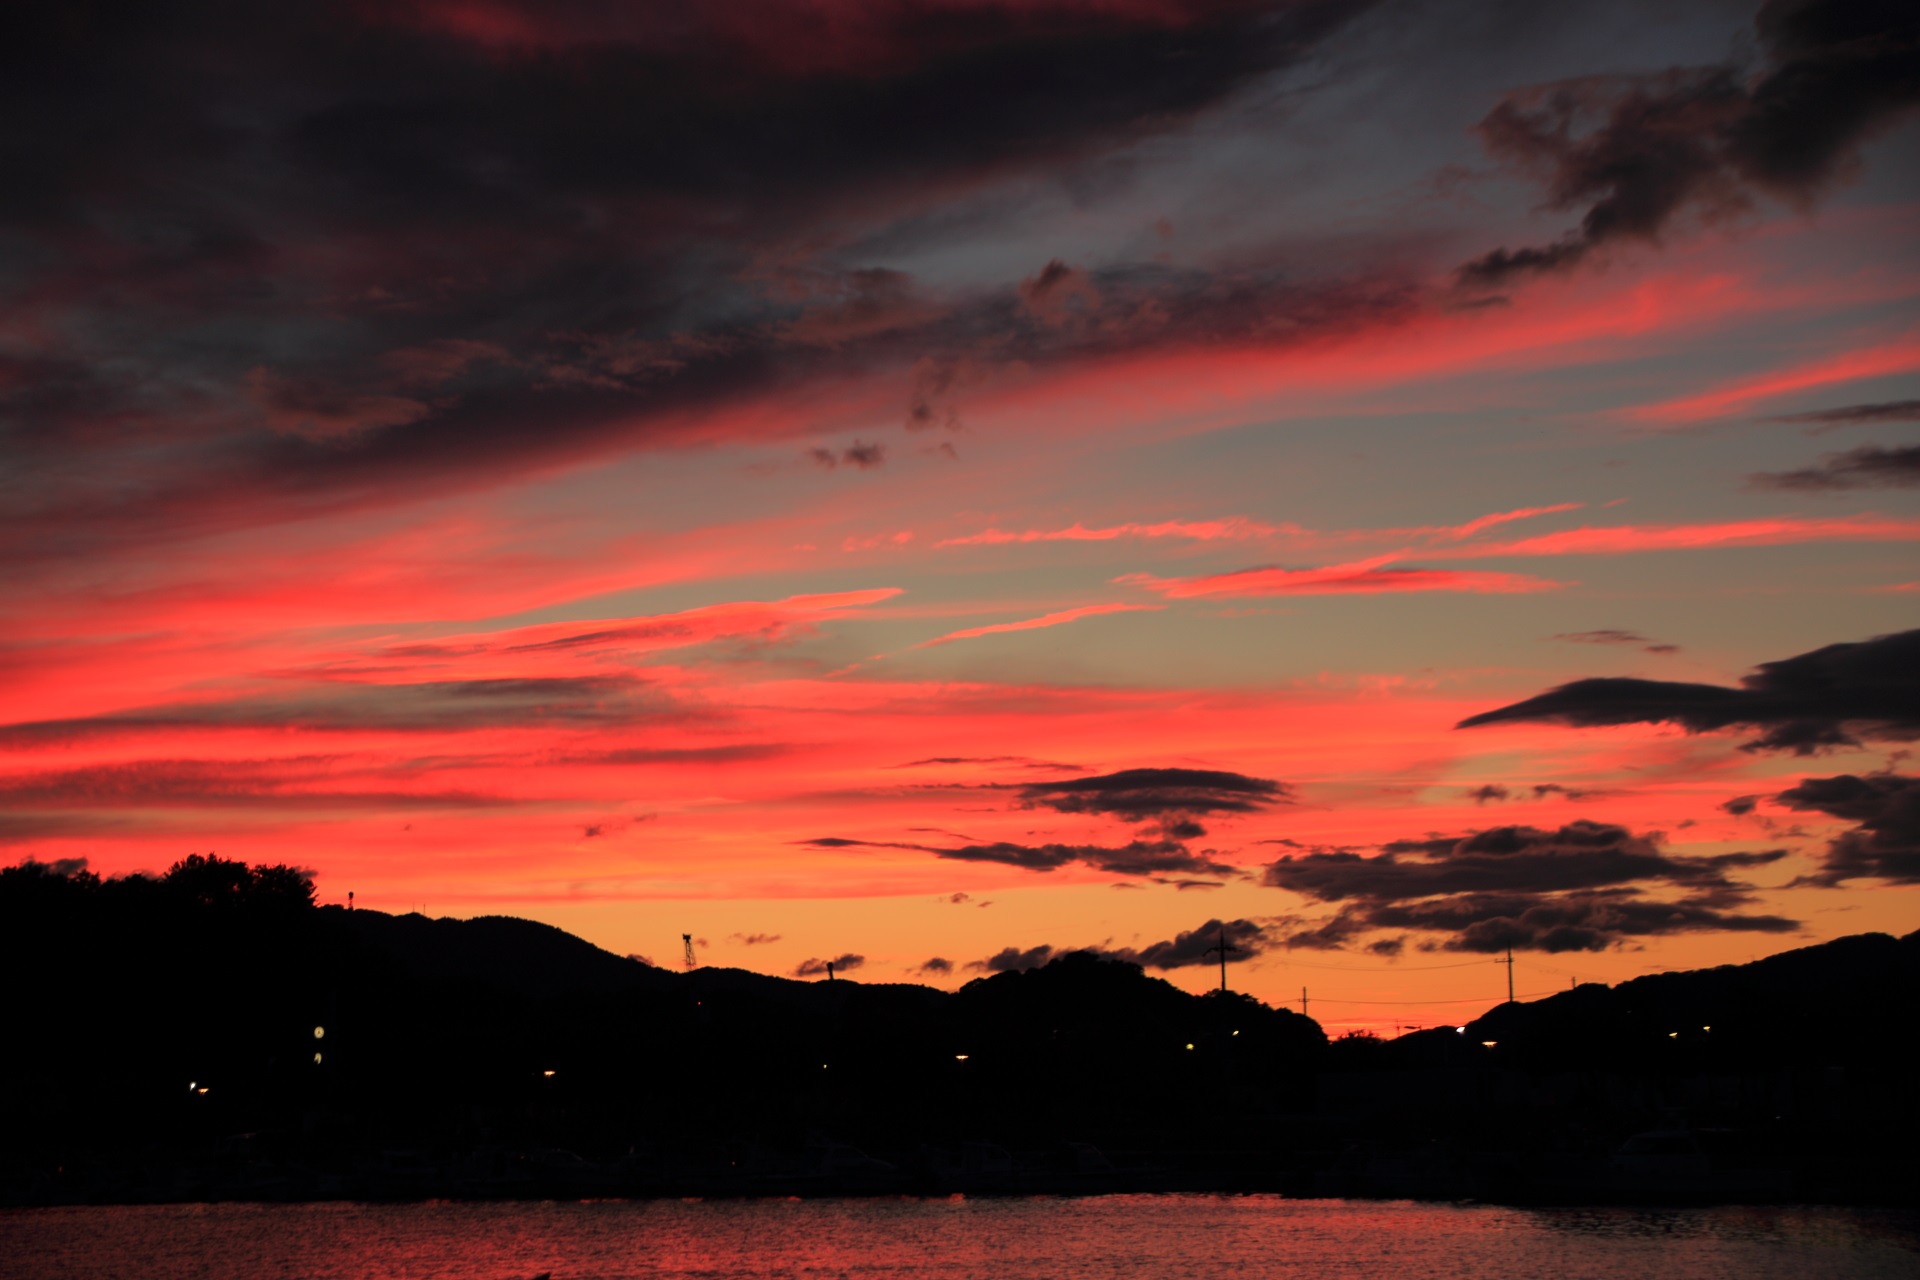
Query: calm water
x,y
1187,1237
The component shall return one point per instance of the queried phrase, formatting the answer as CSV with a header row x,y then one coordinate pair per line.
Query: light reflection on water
x,y
1148,1237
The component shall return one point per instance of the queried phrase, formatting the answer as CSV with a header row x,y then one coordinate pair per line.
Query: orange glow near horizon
x,y
1029,539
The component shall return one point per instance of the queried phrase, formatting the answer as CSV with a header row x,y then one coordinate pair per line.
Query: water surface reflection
x,y
1176,1237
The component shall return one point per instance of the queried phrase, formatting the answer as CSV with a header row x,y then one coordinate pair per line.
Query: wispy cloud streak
x,y
1056,619
1769,531
1361,577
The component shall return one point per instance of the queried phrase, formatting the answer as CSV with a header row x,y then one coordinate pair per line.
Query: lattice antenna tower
x,y
686,941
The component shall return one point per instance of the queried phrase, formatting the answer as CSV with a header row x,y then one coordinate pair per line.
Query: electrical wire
x,y
1565,973
1535,995
1391,967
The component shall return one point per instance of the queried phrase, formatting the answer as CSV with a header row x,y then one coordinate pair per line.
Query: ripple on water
x,y
1039,1238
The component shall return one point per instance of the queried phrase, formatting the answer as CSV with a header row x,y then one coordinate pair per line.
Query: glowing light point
x,y
319,1033
316,1059
958,1057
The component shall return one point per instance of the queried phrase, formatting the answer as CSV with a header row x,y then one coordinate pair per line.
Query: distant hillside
x,y
1839,1001
524,956
167,1020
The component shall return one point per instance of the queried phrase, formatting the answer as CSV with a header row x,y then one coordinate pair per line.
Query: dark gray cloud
x,y
753,939
1493,792
1580,887
341,707
1172,799
1136,858
1637,153
1885,845
1541,790
1604,636
1016,960
370,253
1587,921
935,964
814,968
1868,467
858,454
1579,855
1024,761
1848,415
1612,636
31,828
1835,696
1201,946
1335,933
1140,794
1187,949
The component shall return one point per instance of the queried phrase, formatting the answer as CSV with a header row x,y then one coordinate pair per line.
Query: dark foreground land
x,y
212,1034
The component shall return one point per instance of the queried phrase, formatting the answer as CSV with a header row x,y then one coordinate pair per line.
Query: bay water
x,y
1151,1237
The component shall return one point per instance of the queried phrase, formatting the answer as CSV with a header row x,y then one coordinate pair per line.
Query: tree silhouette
x,y
223,883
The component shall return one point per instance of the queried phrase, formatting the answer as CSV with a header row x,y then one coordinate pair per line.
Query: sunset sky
x,y
935,483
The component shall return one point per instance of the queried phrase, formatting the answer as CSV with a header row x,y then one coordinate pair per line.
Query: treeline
x,y
216,1014
134,995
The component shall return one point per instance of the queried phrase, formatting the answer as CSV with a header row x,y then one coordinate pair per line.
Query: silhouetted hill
x,y
1835,1002
525,956
214,1032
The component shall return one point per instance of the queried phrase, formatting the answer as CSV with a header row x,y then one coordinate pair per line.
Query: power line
x,y
1535,995
1565,973
1392,967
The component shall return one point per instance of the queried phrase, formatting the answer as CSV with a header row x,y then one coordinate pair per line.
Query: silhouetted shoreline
x,y
213,1035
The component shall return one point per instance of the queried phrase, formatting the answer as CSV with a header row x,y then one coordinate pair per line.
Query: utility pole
x,y
1509,963
1223,947
1303,1002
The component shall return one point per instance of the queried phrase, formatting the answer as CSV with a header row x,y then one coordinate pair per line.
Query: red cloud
x,y
1767,532
1873,362
1364,577
1034,624
1232,527
1240,528
668,630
